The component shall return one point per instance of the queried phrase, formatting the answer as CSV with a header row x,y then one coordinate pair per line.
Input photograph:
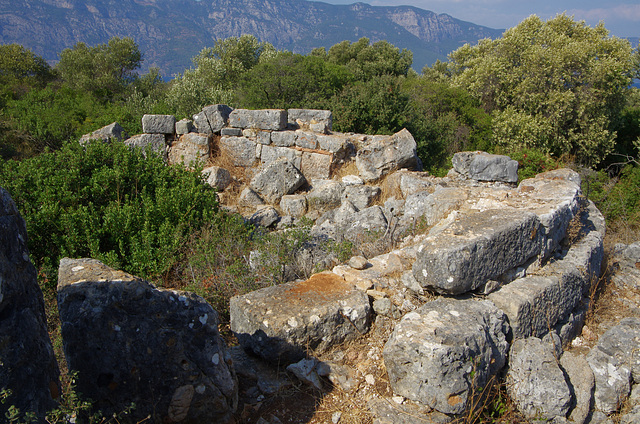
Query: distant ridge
x,y
171,32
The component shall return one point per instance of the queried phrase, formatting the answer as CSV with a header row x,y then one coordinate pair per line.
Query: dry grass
x,y
347,168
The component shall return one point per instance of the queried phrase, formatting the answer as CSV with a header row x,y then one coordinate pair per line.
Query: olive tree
x,y
551,85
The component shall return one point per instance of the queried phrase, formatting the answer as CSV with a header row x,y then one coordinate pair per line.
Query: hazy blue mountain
x,y
171,32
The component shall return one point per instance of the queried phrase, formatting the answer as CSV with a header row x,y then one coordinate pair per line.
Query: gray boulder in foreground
x,y
112,132
280,323
130,342
477,247
535,381
276,180
483,166
438,354
28,366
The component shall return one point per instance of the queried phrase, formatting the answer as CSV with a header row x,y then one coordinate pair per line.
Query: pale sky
x,y
620,17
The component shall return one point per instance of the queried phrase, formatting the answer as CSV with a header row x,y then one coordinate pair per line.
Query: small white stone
x,y
335,417
424,273
215,359
77,268
398,399
203,319
265,323
455,313
314,319
293,322
450,280
370,379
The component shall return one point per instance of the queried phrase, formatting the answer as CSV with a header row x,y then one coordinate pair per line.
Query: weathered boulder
x,y
316,120
264,119
265,216
366,225
536,303
384,154
249,198
306,139
325,195
440,353
294,205
432,207
483,166
535,381
112,132
613,380
280,323
269,154
279,178
154,142
158,124
190,149
212,119
130,342
476,248
316,165
28,366
241,150
581,383
283,138
217,177
361,196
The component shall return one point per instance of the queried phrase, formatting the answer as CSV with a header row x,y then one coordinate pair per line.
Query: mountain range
x,y
171,32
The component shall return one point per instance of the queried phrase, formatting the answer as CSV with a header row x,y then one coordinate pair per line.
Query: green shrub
x,y
532,162
107,202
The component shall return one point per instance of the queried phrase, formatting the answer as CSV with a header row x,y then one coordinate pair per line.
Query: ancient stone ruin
x,y
489,280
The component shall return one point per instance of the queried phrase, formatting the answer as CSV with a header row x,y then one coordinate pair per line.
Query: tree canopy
x,y
553,85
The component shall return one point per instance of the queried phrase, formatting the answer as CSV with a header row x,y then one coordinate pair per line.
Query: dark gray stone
x,y
234,132
28,366
112,132
440,353
130,342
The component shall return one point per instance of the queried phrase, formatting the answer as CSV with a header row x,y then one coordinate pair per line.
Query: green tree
x,y
105,70
216,73
553,86
290,80
21,69
367,60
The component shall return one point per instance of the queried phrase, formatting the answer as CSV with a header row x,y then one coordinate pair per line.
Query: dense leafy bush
x,y
109,203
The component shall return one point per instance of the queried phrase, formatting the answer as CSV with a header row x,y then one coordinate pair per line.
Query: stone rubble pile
x,y
489,281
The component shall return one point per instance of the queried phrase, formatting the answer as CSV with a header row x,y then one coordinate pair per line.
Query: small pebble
x,y
335,417
370,379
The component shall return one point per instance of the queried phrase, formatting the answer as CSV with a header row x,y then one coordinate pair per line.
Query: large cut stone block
x,y
313,119
265,119
158,124
438,354
476,248
483,166
212,119
385,154
316,165
154,142
280,323
269,154
28,365
276,180
112,132
536,303
130,342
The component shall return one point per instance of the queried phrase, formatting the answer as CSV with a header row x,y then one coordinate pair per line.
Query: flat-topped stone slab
x,y
265,119
475,248
483,166
536,303
158,124
280,323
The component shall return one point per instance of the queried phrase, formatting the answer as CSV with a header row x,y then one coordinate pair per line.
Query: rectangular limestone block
x,y
313,119
475,248
264,119
158,124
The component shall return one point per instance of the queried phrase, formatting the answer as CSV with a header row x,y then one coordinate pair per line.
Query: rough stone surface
x,y
439,353
483,166
158,124
265,119
384,154
306,140
249,198
311,119
130,342
535,381
294,205
185,126
325,195
241,150
264,217
28,365
234,132
112,132
623,342
366,225
432,207
361,196
280,323
581,383
189,149
212,119
306,371
536,303
476,248
281,177
217,177
154,142
270,154
283,138
613,380
316,165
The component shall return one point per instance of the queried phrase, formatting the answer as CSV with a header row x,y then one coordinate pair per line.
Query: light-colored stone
x,y
217,177
153,142
212,119
279,178
316,165
190,149
384,154
483,166
158,124
241,150
264,119
294,205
